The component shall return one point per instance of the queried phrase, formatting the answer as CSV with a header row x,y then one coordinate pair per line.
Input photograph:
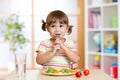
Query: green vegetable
x,y
64,70
50,70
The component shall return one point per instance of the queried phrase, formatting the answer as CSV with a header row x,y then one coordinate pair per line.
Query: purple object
x,y
114,0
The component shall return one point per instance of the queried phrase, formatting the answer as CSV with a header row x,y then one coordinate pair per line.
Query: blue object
x,y
114,64
97,39
110,47
114,0
106,50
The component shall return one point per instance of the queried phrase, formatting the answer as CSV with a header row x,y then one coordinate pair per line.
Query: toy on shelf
x,y
96,64
97,40
115,22
110,43
114,70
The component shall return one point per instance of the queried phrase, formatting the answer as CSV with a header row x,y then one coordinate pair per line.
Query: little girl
x,y
57,52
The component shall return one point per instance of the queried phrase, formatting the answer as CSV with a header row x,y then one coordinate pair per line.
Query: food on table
x,y
73,70
50,70
86,72
63,70
78,74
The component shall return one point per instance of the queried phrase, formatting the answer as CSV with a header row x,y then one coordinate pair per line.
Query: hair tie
x,y
43,22
43,25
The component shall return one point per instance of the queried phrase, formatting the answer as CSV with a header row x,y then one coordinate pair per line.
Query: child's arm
x,y
44,57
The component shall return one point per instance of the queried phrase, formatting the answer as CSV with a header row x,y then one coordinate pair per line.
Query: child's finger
x,y
57,46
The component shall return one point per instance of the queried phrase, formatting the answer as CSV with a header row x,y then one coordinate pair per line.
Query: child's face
x,y
57,28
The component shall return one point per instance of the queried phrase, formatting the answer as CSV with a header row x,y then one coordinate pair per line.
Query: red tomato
x,y
86,72
78,74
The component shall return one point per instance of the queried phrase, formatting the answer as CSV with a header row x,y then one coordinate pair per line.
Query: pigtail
x,y
43,25
70,29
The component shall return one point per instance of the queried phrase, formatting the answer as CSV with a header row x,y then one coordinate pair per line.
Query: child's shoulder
x,y
70,42
46,42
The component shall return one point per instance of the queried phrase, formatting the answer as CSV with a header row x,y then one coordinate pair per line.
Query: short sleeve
x,y
41,48
71,45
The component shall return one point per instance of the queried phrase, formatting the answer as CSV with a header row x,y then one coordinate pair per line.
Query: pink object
x,y
95,67
91,20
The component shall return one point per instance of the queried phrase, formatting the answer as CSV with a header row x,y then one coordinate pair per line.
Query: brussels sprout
x,y
50,70
64,70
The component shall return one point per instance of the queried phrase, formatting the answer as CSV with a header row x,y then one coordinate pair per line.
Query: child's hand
x,y
56,45
60,43
55,48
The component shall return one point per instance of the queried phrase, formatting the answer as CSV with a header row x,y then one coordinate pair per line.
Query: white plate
x,y
58,74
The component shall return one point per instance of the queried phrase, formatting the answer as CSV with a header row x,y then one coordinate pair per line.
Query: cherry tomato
x,y
86,72
78,74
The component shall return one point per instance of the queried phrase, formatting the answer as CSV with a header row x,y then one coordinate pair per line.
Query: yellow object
x,y
109,40
56,71
73,70
97,58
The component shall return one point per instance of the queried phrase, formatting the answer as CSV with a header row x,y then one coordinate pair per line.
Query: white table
x,y
36,75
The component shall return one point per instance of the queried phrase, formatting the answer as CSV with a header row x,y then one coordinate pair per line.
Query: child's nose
x,y
57,28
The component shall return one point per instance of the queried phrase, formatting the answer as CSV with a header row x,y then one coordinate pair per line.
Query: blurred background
x,y
31,12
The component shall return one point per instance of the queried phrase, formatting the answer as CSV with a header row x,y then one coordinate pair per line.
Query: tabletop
x,y
36,75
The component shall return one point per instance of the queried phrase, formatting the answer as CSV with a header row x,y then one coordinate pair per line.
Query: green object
x,y
64,70
50,70
13,33
114,22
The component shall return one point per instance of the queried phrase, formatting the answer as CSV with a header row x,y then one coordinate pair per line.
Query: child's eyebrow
x,y
62,22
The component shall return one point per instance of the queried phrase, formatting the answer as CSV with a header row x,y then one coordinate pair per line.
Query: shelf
x,y
93,46
92,62
110,4
109,60
94,3
94,29
102,33
110,29
94,20
110,40
110,55
94,6
94,53
108,19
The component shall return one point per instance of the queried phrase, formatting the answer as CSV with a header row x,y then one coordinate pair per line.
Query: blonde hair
x,y
53,17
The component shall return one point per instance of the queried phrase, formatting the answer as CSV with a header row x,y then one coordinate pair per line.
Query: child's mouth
x,y
57,36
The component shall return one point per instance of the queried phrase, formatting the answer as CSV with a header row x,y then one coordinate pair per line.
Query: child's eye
x,y
52,26
61,26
